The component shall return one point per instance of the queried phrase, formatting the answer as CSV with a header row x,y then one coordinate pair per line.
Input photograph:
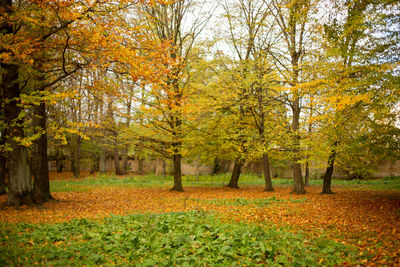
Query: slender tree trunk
x,y
164,167
326,188
216,167
267,173
76,156
125,160
307,175
297,177
237,169
116,161
261,131
177,160
103,160
140,165
59,159
41,185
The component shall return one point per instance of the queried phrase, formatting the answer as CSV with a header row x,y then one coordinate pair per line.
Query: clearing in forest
x,y
205,224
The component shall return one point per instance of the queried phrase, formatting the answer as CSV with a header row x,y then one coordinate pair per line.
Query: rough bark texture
x,y
2,175
19,184
41,185
326,188
267,174
177,173
2,162
237,169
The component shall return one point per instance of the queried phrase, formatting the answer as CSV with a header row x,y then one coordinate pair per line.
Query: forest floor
x,y
366,218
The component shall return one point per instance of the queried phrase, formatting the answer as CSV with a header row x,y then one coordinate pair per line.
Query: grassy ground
x,y
108,220
92,182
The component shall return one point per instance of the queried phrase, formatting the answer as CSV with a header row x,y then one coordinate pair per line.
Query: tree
x,y
163,129
362,75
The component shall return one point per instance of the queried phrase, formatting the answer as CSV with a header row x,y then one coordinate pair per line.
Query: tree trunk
x,y
237,169
102,163
177,173
19,178
76,156
297,177
307,175
41,185
267,174
216,167
326,188
116,161
140,165
59,159
3,160
164,167
125,160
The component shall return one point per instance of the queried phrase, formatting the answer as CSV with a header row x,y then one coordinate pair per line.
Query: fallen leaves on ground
x,y
369,220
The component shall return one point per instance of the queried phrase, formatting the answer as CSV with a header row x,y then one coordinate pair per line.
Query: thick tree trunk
x,y
307,175
41,185
3,160
2,175
237,169
326,188
102,161
116,162
19,182
177,160
267,174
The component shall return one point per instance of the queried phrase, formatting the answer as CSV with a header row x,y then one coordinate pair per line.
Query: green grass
x,y
184,239
259,202
102,181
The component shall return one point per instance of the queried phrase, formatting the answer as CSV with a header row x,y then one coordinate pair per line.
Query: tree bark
x,y
237,169
326,187
216,166
297,177
76,156
164,167
3,159
116,161
59,160
307,175
2,175
103,160
125,160
41,185
267,174
19,181
177,160
140,165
